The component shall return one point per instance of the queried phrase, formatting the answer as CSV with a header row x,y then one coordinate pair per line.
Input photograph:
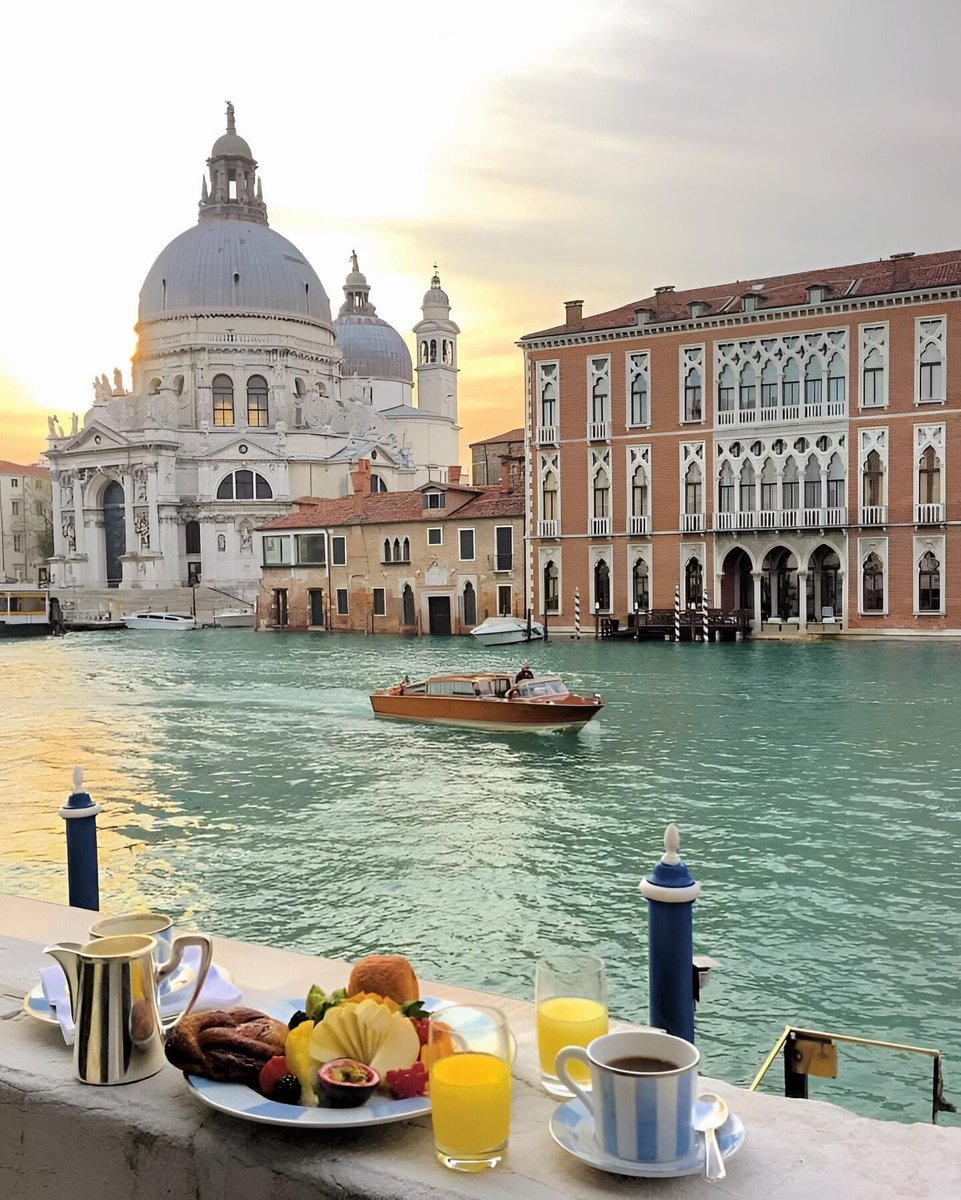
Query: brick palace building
x,y
784,442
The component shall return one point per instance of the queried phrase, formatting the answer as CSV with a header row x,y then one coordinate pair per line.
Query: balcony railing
x,y
500,562
692,522
779,518
874,514
782,413
640,524
929,514
547,435
600,526
725,520
548,529
599,431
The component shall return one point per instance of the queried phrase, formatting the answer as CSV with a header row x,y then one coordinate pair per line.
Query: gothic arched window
x,y
223,394
929,477
640,586
551,588
257,401
433,350
929,584
405,551
693,581
602,586
872,576
873,480
386,550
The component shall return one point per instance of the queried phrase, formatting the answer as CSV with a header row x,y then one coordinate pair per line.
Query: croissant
x,y
230,1046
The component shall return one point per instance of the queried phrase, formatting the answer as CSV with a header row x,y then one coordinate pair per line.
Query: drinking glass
x,y
570,995
470,1086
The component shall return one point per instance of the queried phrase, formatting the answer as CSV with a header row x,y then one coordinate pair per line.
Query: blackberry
x,y
286,1090
298,1017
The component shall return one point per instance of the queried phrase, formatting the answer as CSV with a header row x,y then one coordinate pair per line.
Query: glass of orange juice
x,y
470,1086
570,995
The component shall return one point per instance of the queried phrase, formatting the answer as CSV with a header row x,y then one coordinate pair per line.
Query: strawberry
x,y
405,1084
422,1025
271,1073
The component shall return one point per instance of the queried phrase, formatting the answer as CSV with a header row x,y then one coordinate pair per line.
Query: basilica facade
x,y
245,394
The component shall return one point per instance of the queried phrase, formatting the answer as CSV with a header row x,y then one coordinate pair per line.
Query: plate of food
x,y
354,1058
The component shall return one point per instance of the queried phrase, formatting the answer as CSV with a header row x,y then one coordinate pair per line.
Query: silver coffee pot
x,y
113,984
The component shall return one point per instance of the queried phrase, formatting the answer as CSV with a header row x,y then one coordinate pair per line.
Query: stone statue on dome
x,y
118,388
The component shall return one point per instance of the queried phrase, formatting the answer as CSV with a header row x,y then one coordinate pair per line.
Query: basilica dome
x,y
232,262
371,348
225,265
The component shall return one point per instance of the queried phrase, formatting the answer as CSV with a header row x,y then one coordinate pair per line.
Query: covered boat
x,y
504,631
160,622
488,701
27,611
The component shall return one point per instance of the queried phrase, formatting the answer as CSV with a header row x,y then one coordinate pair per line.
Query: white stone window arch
x,y
930,575
692,485
747,388
549,490
873,340
600,485
836,480
602,580
548,380
692,383
873,583
550,576
726,499
599,389
930,467
639,388
726,389
640,583
931,355
813,492
639,487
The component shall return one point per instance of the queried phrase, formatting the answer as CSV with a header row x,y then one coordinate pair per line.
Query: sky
x,y
538,152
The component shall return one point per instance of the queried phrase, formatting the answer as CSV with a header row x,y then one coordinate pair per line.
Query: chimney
x,y
506,475
573,314
643,315
901,276
662,301
360,478
453,474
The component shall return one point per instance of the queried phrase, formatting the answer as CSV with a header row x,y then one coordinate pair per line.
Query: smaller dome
x,y
436,295
372,349
231,145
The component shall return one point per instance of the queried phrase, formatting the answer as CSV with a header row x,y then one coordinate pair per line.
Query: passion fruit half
x,y
347,1083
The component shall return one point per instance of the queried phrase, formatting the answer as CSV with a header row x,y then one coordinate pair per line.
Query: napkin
x,y
218,990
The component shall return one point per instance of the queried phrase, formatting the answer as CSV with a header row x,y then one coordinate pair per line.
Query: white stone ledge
x,y
64,1140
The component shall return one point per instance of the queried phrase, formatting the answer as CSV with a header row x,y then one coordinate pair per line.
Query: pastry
x,y
386,975
227,1045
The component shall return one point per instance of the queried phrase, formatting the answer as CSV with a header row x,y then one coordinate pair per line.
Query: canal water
x,y
249,790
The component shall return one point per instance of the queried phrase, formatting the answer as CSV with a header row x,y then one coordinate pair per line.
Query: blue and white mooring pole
x,y
83,875
670,891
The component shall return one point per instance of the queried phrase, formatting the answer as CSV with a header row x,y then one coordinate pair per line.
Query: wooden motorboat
x,y
488,701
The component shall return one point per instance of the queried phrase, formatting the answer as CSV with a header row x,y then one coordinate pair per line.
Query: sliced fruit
x,y
297,1051
347,1083
422,1027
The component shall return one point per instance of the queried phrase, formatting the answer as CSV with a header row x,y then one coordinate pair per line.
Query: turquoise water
x,y
249,790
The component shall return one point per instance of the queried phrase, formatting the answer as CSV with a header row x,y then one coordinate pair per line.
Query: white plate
x,y
241,1101
572,1127
35,1003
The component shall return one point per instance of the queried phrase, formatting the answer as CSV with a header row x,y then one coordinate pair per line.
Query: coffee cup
x,y
643,1087
145,924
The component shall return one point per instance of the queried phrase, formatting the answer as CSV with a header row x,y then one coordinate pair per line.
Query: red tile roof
x,y
389,508
910,274
12,468
512,435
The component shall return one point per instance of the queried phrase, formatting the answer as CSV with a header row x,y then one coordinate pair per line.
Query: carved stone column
x,y
756,577
802,601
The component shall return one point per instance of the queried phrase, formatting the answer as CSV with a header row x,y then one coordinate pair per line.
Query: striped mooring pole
x,y
670,891
705,613
577,612
83,878
677,613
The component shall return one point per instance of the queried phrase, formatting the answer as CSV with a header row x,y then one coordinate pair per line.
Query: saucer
x,y
572,1127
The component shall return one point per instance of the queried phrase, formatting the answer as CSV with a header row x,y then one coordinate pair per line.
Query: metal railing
x,y
500,562
813,1052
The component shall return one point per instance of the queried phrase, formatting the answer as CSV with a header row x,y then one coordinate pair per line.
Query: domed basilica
x,y
245,394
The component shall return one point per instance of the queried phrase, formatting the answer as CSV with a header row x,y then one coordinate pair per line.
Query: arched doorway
x,y
779,591
824,584
737,590
114,531
408,605
693,581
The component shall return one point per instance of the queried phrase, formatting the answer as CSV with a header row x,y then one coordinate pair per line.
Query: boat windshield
x,y
534,689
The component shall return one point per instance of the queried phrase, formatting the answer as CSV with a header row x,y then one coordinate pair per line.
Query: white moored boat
x,y
503,631
162,622
236,618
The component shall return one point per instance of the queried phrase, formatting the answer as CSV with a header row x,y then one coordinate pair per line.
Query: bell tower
x,y
234,185
437,353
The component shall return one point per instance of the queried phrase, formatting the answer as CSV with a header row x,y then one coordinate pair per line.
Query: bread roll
x,y
227,1045
387,975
